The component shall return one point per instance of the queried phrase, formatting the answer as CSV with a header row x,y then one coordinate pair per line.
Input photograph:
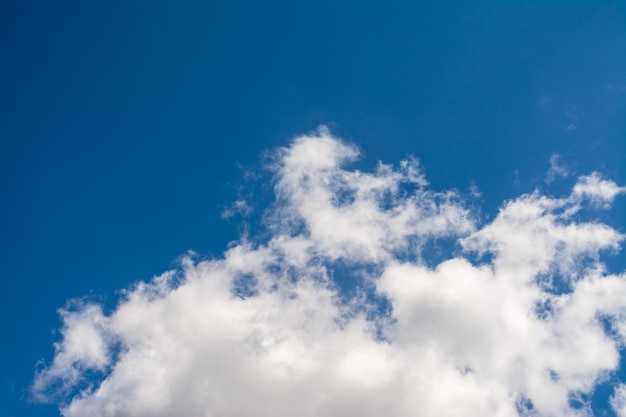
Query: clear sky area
x,y
272,208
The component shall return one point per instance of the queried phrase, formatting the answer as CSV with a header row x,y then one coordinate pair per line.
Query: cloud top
x,y
521,319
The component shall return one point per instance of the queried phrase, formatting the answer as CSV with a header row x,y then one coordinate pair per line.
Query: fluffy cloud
x,y
520,320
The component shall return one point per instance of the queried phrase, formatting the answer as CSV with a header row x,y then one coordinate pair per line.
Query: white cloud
x,y
85,346
239,207
557,169
598,191
267,331
618,400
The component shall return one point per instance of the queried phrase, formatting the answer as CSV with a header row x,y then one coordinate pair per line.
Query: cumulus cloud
x,y
518,320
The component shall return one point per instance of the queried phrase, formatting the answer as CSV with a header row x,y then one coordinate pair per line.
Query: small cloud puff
x,y
238,208
268,329
557,169
600,192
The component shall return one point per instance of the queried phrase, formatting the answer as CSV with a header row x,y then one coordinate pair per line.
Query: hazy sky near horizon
x,y
132,133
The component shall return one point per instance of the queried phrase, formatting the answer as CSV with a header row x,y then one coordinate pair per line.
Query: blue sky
x,y
127,129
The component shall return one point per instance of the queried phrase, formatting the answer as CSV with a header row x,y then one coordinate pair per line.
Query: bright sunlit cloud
x,y
520,318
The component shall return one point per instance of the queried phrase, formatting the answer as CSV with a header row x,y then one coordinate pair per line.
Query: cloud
x,y
517,320
600,192
618,400
239,207
556,169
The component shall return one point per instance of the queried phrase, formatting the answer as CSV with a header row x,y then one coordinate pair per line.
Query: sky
x,y
312,208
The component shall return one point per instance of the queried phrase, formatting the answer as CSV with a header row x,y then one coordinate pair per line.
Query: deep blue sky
x,y
124,125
